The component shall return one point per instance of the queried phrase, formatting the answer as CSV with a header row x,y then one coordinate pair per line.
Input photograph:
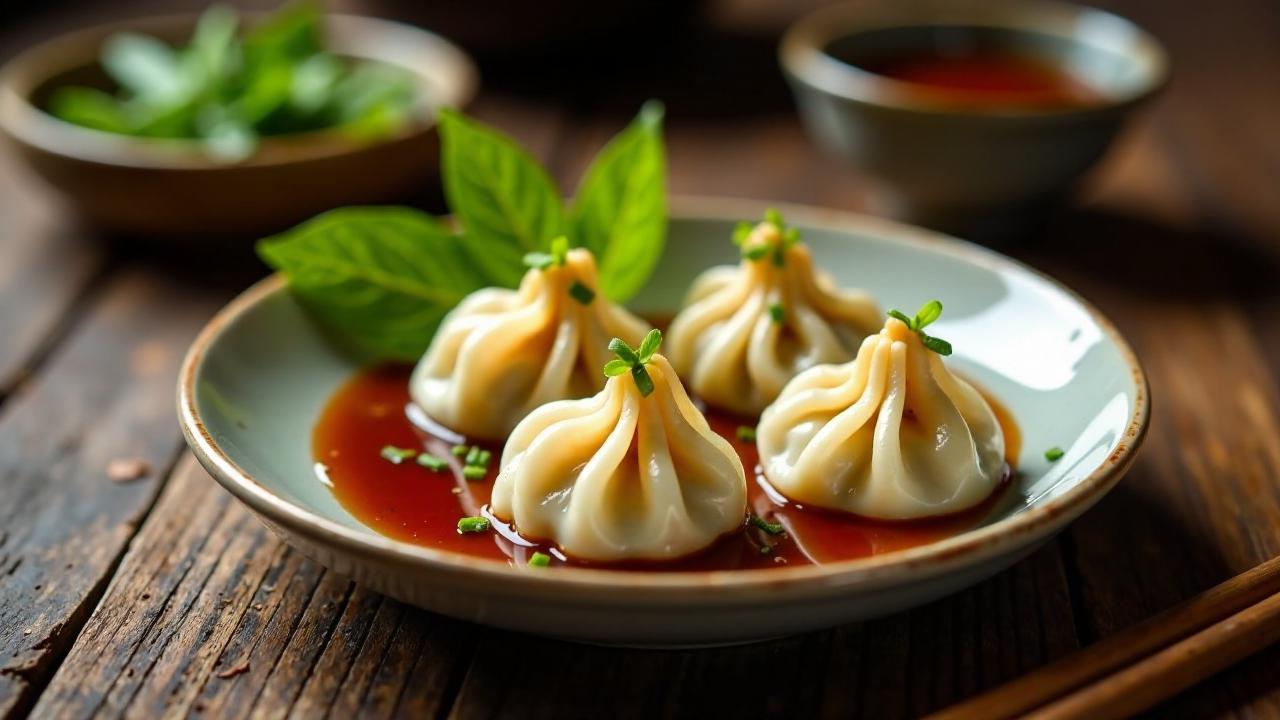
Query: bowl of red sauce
x,y
976,116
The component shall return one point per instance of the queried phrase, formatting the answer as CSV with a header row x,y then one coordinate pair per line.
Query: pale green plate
x,y
256,379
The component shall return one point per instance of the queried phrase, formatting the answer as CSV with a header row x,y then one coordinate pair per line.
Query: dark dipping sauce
x,y
971,66
411,503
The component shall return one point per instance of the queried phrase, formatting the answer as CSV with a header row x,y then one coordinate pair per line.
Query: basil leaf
x,y
620,212
506,202
379,279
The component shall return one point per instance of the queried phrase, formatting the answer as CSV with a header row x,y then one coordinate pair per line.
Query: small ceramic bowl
x,y
256,379
142,186
977,169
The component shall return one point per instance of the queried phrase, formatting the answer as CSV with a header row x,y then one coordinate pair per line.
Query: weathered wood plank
x,y
106,394
211,614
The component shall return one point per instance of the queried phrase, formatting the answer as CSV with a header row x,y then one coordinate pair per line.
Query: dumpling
x,y
746,330
501,353
633,473
891,435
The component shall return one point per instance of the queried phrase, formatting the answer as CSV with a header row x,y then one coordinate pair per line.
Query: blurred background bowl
x,y
985,170
156,187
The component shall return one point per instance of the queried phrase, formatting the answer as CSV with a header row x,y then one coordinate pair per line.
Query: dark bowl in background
x,y
981,170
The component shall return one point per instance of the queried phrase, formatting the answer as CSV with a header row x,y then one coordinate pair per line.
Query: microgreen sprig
x,y
929,312
633,360
789,236
543,260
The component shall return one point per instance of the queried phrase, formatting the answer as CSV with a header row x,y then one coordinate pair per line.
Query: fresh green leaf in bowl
x,y
380,279
229,89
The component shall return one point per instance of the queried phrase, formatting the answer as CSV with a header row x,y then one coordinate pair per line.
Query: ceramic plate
x,y
257,377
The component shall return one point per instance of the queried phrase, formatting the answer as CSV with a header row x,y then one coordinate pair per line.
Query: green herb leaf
x,y
741,232
432,463
620,212
473,525
755,252
379,279
90,108
539,260
581,293
146,68
396,455
773,217
765,525
1054,454
938,345
619,347
652,341
746,433
777,312
644,383
899,315
539,560
931,311
506,202
616,367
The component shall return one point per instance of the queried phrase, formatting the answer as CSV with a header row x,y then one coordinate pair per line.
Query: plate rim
x,y
970,548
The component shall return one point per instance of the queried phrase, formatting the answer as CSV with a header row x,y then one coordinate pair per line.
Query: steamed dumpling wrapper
x,y
501,353
747,330
892,435
624,475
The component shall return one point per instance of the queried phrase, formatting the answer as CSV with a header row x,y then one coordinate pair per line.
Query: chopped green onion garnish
x,y
766,549
746,433
929,312
459,450
473,455
473,525
581,293
539,560
474,472
765,525
630,358
644,383
483,460
396,455
432,463
1054,454
778,313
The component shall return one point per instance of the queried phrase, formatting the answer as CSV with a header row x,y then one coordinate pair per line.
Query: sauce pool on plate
x,y
407,501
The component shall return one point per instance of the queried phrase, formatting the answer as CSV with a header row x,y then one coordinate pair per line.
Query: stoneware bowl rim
x,y
453,82
802,54
1019,530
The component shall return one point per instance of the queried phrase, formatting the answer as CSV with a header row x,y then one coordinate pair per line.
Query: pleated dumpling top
x,y
892,435
633,473
501,353
746,330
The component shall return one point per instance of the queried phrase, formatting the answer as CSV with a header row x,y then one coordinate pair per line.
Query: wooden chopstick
x,y
1136,667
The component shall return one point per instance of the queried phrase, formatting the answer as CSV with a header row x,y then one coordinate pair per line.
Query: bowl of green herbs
x,y
227,124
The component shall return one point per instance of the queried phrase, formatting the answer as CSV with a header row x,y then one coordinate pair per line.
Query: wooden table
x,y
164,596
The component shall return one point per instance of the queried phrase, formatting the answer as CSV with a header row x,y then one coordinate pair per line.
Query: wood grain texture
x,y
107,393
211,614
1176,238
